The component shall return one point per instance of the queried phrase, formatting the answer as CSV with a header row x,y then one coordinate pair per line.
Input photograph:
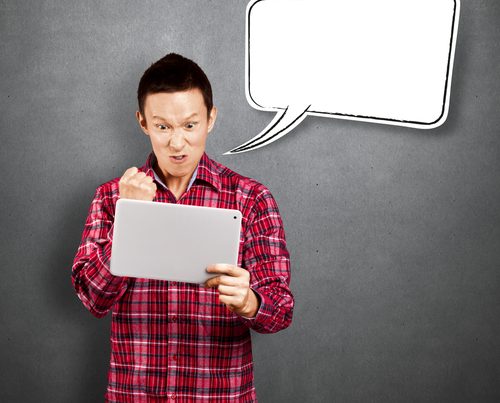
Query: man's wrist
x,y
252,306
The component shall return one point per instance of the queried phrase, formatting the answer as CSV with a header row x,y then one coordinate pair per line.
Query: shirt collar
x,y
191,181
205,171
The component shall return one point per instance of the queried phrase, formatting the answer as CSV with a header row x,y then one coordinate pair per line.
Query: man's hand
x,y
233,284
137,185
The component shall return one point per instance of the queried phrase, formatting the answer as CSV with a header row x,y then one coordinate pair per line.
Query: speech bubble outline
x,y
293,105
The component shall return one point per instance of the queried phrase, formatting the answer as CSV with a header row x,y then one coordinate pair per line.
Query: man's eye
x,y
190,125
161,127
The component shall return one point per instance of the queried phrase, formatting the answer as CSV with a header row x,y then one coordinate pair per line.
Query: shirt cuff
x,y
263,314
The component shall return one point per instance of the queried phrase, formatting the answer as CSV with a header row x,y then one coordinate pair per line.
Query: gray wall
x,y
394,232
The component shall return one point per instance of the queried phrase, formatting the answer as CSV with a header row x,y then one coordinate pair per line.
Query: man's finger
x,y
129,173
212,282
137,178
223,268
228,300
146,185
221,280
228,290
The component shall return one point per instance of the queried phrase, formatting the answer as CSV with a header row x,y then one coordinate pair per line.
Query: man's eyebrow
x,y
193,115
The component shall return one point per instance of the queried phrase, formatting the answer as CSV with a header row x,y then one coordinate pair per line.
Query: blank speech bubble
x,y
384,61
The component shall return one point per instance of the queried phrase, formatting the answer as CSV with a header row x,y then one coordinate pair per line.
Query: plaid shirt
x,y
176,341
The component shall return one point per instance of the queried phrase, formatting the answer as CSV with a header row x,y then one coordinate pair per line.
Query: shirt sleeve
x,y
267,259
96,287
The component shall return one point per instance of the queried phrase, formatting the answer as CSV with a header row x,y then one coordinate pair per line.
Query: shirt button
x,y
173,283
174,358
174,318
172,396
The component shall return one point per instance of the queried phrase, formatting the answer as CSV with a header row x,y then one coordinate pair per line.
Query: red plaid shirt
x,y
176,341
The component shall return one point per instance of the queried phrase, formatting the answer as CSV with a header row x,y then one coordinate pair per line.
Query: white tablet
x,y
173,242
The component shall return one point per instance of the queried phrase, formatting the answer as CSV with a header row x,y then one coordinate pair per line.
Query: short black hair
x,y
173,73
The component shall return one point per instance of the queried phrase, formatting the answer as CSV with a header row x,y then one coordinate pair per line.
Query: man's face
x,y
178,125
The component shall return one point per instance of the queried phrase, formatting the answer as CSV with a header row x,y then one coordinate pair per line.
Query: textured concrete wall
x,y
394,232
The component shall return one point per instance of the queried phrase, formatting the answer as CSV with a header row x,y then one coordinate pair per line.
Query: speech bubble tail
x,y
284,121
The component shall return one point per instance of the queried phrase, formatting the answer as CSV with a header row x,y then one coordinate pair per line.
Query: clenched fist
x,y
136,185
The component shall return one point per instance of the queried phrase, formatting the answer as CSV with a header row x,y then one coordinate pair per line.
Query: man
x,y
173,340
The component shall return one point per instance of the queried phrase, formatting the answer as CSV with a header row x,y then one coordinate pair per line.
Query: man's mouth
x,y
178,158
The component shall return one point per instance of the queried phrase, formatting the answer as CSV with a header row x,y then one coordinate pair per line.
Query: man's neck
x,y
176,185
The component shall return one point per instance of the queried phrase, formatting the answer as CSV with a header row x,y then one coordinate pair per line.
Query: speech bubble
x,y
384,61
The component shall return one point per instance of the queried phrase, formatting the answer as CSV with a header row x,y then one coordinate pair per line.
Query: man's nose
x,y
177,140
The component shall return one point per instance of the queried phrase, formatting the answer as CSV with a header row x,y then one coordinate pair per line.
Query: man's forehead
x,y
180,103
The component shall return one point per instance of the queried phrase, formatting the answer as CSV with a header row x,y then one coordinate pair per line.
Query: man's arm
x,y
96,287
260,295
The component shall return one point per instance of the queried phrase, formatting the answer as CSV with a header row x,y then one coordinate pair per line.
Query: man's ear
x,y
212,117
142,122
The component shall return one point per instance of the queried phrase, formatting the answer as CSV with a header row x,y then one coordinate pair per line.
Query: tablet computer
x,y
175,242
